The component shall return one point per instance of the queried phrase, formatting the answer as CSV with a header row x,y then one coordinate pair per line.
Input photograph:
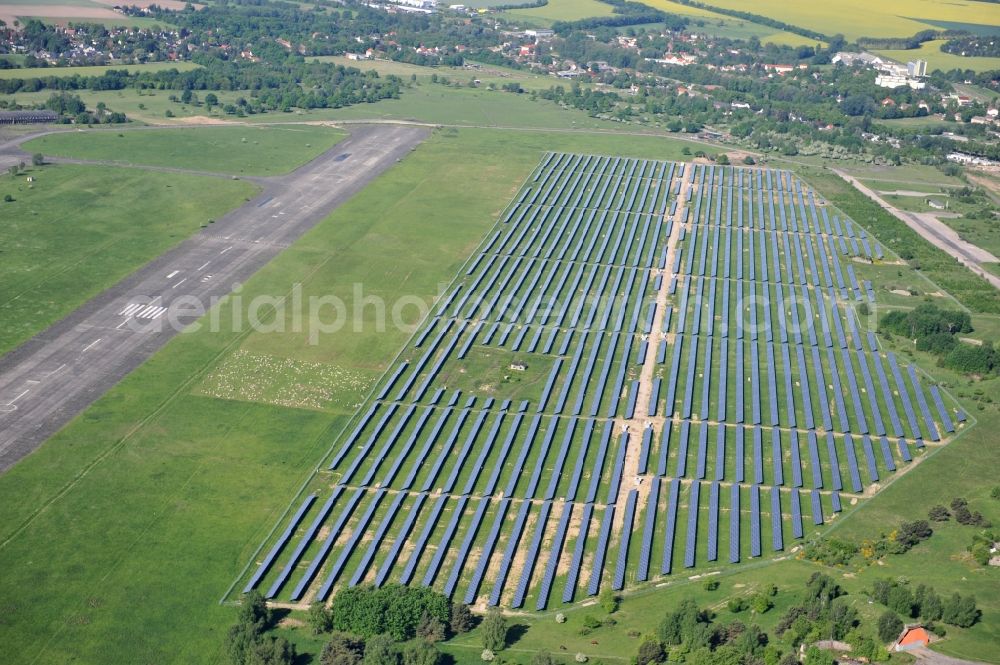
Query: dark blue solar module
x,y
692,525
713,522
578,550
668,542
796,514
619,577
734,524
777,540
755,547
817,507
279,545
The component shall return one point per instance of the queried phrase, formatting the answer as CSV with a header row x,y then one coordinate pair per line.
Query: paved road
x,y
55,375
928,657
935,232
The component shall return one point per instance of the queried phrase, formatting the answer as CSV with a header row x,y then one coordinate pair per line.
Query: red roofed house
x,y
912,638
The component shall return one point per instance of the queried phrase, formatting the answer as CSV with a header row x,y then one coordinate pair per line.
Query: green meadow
x,y
74,231
240,150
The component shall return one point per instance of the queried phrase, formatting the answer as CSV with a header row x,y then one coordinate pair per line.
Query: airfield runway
x,y
55,375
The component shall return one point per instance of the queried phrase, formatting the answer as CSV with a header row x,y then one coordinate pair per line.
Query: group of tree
x,y
936,331
961,512
247,642
820,614
693,633
924,603
389,625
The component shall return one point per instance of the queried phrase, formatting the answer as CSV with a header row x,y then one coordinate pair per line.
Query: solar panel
x,y
581,543
463,552
817,507
692,525
734,523
508,556
552,560
755,547
626,534
279,545
777,540
796,515
668,543
713,522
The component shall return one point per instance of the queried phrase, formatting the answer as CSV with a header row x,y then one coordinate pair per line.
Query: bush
x,y
7,198
938,513
580,658
889,626
710,585
760,603
560,618
609,601
737,605
651,651
38,159
342,649
487,655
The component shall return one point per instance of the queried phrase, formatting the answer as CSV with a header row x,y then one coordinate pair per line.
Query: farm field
x,y
724,26
938,59
559,10
889,18
37,72
184,487
63,12
237,150
73,232
609,348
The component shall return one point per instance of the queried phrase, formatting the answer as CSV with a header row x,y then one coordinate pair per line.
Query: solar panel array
x,y
549,429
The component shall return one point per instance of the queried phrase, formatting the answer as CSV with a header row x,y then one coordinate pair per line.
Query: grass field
x,y
39,72
242,150
857,18
74,231
485,74
938,59
559,10
426,102
182,488
724,26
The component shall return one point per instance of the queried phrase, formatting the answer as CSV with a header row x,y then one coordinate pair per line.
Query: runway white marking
x,y
92,344
151,312
119,326
11,403
205,265
130,309
173,274
179,283
226,249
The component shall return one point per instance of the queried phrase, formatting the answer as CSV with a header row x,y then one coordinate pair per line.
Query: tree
x,y
722,160
211,100
651,651
421,653
911,533
38,159
494,631
609,601
380,650
254,611
272,651
889,626
900,600
431,628
7,198
760,603
737,605
319,619
749,160
816,656
995,493
342,649
960,611
462,620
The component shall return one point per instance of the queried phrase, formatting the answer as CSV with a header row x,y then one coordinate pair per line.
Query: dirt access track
x,y
934,231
